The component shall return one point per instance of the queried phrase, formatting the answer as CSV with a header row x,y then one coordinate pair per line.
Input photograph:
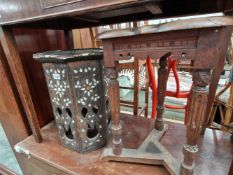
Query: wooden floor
x,y
214,158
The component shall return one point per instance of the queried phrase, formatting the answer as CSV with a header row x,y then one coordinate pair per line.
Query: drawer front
x,y
54,3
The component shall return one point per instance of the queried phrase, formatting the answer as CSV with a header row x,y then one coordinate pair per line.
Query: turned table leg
x,y
196,113
114,100
162,83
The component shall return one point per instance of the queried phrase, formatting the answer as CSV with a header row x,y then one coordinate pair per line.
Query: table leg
x,y
162,83
12,54
196,111
114,100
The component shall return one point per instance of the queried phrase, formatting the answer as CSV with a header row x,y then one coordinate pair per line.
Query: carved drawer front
x,y
54,3
76,84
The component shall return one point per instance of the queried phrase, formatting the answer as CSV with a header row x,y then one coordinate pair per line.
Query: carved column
x,y
114,99
196,113
162,83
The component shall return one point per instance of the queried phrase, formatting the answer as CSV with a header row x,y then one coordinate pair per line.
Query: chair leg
x,y
229,110
136,86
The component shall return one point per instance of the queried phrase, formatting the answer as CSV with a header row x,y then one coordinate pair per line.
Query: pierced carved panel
x,y
80,103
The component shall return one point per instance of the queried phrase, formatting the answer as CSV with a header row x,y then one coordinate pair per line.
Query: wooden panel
x,y
17,10
16,67
31,41
36,167
156,45
53,3
12,117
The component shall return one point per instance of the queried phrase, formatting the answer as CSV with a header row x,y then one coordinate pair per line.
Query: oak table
x,y
201,40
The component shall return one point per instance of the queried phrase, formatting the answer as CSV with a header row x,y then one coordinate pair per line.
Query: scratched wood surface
x,y
216,150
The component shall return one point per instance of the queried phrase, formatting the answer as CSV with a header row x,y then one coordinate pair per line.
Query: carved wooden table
x,y
202,40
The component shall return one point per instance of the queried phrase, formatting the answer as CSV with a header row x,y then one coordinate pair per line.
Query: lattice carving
x,y
80,103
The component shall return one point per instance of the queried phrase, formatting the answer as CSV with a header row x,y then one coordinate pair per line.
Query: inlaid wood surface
x,y
216,150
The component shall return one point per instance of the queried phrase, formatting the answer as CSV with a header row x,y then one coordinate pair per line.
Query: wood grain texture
x,y
34,10
196,112
30,41
162,84
12,115
114,100
223,40
214,145
14,60
86,13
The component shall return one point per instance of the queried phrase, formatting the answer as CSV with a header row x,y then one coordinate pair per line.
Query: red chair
x,y
176,94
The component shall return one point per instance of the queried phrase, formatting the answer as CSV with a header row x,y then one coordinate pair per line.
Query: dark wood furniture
x,y
202,40
82,13
63,161
25,97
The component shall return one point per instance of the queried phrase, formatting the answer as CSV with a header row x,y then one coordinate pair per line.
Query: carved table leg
x,y
114,100
196,111
162,83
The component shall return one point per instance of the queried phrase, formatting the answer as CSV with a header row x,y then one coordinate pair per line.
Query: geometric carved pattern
x,y
78,97
178,43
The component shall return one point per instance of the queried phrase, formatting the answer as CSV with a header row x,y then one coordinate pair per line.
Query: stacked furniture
x,y
26,108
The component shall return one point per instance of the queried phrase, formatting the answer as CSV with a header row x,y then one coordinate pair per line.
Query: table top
x,y
216,150
186,24
68,14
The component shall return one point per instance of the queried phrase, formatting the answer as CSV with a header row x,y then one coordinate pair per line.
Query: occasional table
x,y
203,40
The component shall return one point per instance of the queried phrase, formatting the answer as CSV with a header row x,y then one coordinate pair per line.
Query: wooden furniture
x,y
225,115
12,114
214,145
76,86
177,93
136,66
23,81
200,39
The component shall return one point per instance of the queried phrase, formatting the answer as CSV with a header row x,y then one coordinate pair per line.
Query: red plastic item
x,y
176,94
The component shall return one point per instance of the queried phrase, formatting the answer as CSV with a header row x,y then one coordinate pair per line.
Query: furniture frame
x,y
200,41
137,87
52,14
226,117
176,94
